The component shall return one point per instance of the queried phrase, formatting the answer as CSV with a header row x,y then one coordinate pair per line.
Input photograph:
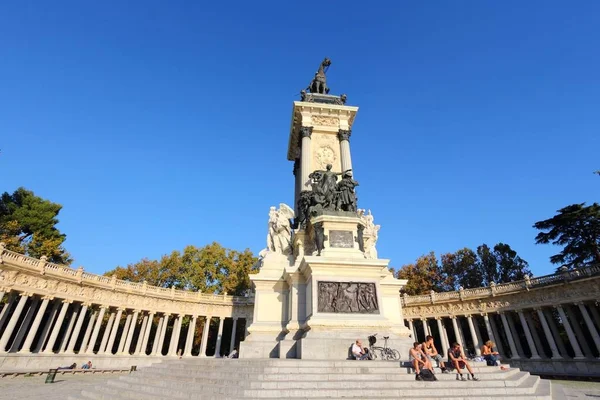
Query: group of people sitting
x,y
422,356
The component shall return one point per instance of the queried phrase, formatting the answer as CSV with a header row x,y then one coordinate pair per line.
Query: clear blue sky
x,y
161,124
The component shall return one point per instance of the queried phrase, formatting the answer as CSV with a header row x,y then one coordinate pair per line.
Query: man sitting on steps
x,y
358,352
458,360
432,353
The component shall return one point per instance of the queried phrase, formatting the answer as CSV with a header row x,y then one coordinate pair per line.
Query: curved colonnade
x,y
55,315
547,325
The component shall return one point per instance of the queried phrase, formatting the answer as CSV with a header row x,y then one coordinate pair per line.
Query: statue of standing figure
x,y
346,199
325,188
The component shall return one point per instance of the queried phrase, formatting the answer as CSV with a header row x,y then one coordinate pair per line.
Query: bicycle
x,y
385,352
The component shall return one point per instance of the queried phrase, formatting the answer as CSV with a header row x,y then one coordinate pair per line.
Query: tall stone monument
x,y
321,285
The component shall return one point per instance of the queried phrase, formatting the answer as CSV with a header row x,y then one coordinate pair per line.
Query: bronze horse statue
x,y
319,82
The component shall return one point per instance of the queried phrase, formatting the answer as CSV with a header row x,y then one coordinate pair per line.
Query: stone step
x,y
292,362
397,375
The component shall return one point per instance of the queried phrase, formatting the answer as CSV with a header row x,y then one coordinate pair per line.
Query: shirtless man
x,y
419,360
432,353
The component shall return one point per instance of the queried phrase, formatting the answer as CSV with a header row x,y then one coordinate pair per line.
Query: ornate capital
x,y
305,131
344,134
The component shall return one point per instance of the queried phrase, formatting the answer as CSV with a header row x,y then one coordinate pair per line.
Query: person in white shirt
x,y
358,352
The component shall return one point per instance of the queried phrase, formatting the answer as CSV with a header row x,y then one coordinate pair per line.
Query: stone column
x,y
490,330
34,327
570,334
478,334
88,332
445,345
77,329
411,327
219,337
496,330
552,323
474,335
344,137
14,347
132,326
585,348
161,321
456,331
146,333
511,342
555,354
163,332
515,334
232,341
96,331
64,340
57,326
13,322
124,333
46,329
305,134
595,313
175,336
205,336
12,297
536,336
426,330
590,325
113,332
530,342
189,341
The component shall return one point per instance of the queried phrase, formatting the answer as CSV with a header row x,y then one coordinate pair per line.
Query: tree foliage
x,y
464,268
28,226
210,269
577,229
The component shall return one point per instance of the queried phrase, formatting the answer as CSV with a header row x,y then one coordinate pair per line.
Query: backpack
x,y
427,375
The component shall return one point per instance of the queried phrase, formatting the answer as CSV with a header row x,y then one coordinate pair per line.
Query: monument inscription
x,y
347,297
341,239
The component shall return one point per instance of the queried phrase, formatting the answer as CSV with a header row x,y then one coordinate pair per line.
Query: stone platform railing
x,y
547,325
54,310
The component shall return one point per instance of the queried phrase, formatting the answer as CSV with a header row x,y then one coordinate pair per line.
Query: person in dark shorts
x,y
457,359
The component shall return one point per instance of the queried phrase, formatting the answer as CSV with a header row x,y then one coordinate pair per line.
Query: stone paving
x,y
30,388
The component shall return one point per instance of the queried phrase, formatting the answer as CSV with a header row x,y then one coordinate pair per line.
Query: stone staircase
x,y
206,378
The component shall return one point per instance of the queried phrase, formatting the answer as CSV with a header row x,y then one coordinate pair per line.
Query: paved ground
x,y
34,388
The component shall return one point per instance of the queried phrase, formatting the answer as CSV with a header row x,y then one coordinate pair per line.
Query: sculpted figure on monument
x,y
370,234
319,237
346,199
279,238
305,201
324,184
347,297
319,82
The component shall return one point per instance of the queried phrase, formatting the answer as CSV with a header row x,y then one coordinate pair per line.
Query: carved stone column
x,y
163,332
552,323
344,137
13,322
14,347
305,135
530,342
57,326
159,326
534,333
489,329
47,325
511,342
411,327
145,332
233,331
590,325
555,354
189,340
474,335
12,298
88,332
456,331
205,336
219,337
570,333
583,345
515,334
425,328
445,345
113,332
123,337
34,327
64,340
78,324
96,331
130,332
175,336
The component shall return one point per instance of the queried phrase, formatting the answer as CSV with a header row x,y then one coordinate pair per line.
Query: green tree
x,y
461,269
28,226
423,276
577,229
210,269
